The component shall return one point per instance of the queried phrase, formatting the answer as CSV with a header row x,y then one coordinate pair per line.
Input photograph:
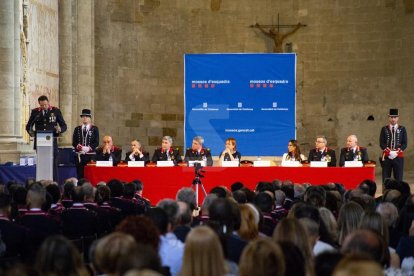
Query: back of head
x,y
116,187
249,227
389,213
184,213
348,220
139,186
221,211
264,201
374,222
326,262
129,190
111,249
187,195
5,202
208,200
236,186
36,196
219,191
19,195
369,186
88,190
367,243
294,259
171,209
262,257
160,218
316,196
280,197
203,254
142,229
54,191
240,196
357,266
139,258
58,256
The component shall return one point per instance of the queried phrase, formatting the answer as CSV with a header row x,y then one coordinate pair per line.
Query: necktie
x,y
84,131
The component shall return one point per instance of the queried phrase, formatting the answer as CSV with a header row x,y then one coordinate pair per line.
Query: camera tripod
x,y
197,180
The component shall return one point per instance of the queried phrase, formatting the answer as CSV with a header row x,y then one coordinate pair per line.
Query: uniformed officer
x,y
167,152
47,117
85,140
108,152
393,142
322,153
198,152
352,151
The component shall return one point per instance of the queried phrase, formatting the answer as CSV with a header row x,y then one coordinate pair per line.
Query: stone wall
x,y
354,61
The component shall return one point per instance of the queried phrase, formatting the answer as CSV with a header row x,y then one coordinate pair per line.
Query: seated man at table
x,y
198,153
322,153
166,152
136,153
108,152
352,152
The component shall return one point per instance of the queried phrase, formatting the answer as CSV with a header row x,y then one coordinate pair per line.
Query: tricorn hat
x,y
86,112
394,112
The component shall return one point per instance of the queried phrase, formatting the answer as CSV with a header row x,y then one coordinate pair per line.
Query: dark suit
x,y
161,155
315,155
360,154
14,236
393,141
47,121
89,139
144,158
78,221
204,154
115,154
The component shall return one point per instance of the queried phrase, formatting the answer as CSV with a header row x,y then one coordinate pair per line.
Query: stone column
x,y
77,60
10,122
66,92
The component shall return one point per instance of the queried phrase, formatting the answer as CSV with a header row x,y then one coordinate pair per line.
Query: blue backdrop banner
x,y
251,97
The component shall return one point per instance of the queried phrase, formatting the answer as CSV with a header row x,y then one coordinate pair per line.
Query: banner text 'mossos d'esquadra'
x,y
250,97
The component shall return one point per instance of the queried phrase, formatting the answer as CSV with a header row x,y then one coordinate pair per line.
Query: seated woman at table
x,y
293,153
230,152
136,153
108,152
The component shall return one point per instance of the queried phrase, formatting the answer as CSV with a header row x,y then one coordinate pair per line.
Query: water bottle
x,y
110,158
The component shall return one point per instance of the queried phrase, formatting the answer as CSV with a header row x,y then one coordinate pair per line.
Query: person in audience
x,y
325,263
185,219
204,216
225,217
139,190
140,260
279,212
56,208
357,266
167,152
369,187
198,153
108,152
322,153
58,256
110,250
330,222
68,190
389,214
77,220
85,139
291,230
239,196
293,153
264,203
127,207
352,152
114,214
295,263
137,153
262,257
249,226
171,249
13,235
348,220
40,225
405,249
187,195
203,254
142,229
230,152
373,221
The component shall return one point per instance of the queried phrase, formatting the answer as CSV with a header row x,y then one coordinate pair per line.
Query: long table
x,y
164,182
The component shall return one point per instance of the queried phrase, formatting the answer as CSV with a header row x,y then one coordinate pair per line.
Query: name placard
x,y
261,163
201,162
165,163
136,163
319,164
104,163
288,163
229,164
353,164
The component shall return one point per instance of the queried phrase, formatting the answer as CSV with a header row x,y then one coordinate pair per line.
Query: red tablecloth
x,y
162,183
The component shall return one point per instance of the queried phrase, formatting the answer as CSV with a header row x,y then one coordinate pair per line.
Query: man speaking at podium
x,y
47,117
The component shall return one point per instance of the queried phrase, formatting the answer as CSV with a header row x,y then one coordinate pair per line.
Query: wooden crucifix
x,y
273,31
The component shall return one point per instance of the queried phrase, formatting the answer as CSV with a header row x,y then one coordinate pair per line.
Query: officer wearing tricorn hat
x,y
393,142
85,140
